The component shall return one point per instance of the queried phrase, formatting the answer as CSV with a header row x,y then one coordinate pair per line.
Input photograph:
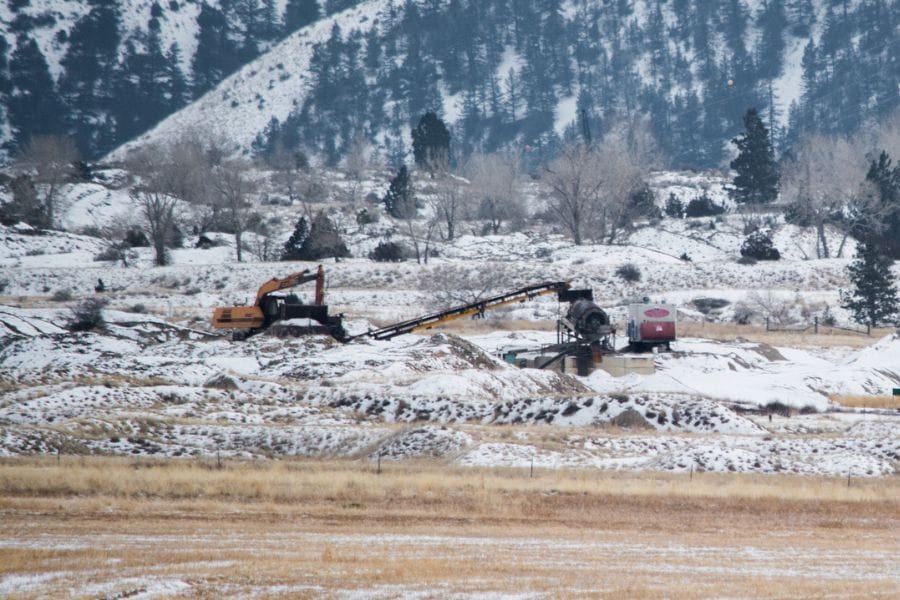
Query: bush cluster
x,y
758,246
389,252
629,272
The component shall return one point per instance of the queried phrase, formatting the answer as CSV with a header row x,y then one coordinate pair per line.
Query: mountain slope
x,y
535,74
269,87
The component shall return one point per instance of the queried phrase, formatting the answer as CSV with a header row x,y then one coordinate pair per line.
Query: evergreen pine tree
x,y
773,22
153,78
431,143
5,85
756,181
883,226
127,93
292,247
873,299
323,240
217,54
179,92
399,201
300,13
34,106
88,66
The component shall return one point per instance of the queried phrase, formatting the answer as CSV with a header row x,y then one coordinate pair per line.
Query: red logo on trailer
x,y
656,313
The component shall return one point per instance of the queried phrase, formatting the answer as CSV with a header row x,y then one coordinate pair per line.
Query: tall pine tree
x,y
883,225
431,143
300,13
873,300
756,181
34,106
293,246
88,68
399,200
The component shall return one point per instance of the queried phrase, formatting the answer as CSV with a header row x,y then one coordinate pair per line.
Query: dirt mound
x,y
630,419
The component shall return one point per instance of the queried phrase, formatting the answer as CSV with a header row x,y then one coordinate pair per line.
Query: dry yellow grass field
x,y
827,336
885,401
119,528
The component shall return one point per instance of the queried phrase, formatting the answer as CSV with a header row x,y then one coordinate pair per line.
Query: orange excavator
x,y
283,315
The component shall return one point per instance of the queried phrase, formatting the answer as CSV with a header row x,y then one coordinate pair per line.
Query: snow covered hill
x,y
239,108
691,71
145,387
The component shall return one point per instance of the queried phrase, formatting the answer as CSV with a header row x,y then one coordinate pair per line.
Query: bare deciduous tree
x,y
621,174
449,203
356,161
496,189
420,235
770,306
156,203
821,180
453,285
235,186
574,180
592,185
50,160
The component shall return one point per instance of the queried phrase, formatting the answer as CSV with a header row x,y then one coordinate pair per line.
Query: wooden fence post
x,y
816,325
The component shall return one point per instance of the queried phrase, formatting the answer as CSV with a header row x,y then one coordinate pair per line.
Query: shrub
x,y
135,238
643,204
63,295
91,230
87,315
4,283
629,272
758,246
684,256
674,207
364,217
389,252
827,318
138,309
111,253
743,314
707,305
703,206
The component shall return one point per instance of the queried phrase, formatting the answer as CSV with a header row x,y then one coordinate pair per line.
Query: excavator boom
x,y
276,284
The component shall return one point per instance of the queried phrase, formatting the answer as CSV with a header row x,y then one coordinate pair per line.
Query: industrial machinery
x,y
472,309
283,315
651,326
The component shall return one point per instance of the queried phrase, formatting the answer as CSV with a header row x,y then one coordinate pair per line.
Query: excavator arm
x,y
277,284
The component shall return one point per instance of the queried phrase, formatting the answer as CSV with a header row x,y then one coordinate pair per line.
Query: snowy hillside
x,y
270,87
532,75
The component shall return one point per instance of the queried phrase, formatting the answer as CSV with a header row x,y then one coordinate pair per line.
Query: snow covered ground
x,y
147,387
157,381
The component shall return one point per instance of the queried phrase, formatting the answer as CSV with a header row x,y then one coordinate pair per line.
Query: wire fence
x,y
816,327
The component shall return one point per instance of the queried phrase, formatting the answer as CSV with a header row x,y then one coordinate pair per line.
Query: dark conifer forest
x,y
691,68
